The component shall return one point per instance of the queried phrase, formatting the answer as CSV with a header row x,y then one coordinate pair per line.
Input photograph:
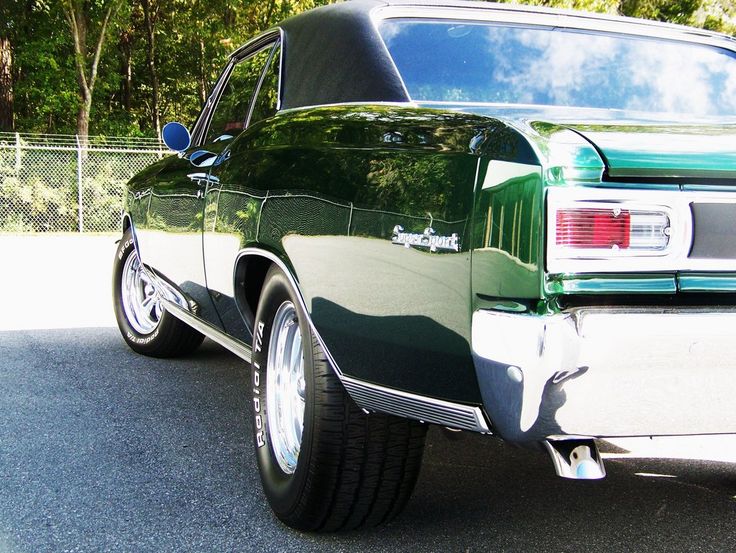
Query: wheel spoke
x,y
148,302
140,299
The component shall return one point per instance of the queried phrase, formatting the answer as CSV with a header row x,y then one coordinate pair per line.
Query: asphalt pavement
x,y
102,449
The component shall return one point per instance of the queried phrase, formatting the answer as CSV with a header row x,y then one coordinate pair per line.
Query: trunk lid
x,y
670,151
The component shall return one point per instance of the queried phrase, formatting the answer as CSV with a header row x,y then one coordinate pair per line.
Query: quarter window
x,y
266,102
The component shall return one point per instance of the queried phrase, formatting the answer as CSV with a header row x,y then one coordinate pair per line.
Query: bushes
x,y
39,187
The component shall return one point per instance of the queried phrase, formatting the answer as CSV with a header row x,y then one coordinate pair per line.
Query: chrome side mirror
x,y
176,136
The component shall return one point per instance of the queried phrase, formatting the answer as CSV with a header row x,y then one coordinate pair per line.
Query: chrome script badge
x,y
429,239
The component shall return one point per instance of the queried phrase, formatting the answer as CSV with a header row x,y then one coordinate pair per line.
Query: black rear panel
x,y
714,231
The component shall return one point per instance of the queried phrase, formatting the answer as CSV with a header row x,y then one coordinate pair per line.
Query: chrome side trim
x,y
215,334
127,216
257,42
165,290
279,43
404,404
373,397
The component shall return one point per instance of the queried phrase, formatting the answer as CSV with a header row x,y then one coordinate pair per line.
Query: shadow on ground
x,y
102,449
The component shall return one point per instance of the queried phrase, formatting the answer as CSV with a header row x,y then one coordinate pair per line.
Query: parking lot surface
x,y
105,450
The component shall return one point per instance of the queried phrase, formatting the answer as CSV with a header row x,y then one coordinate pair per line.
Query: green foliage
x,y
38,188
36,196
674,11
193,39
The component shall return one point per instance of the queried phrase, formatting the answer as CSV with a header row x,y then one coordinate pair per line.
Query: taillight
x,y
606,230
612,228
593,228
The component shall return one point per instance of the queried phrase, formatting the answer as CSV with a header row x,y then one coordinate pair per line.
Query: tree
x,y
9,15
151,10
673,11
165,57
6,85
79,15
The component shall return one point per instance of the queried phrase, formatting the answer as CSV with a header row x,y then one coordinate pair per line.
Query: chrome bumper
x,y
605,372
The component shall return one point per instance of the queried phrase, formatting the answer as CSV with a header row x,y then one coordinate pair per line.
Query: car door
x,y
235,111
168,224
170,236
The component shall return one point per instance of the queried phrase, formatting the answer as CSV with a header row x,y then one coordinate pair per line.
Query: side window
x,y
266,102
231,111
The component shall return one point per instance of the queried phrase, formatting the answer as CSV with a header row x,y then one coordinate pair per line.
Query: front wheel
x,y
145,325
325,465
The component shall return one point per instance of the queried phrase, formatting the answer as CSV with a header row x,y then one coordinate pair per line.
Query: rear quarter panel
x,y
324,189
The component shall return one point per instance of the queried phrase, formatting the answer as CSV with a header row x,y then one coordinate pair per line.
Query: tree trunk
x,y
202,84
150,17
85,106
78,19
126,70
269,14
6,86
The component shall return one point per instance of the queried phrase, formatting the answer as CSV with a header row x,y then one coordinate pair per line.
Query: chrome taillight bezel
x,y
673,203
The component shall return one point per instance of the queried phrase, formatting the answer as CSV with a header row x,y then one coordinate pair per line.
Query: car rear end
x,y
604,274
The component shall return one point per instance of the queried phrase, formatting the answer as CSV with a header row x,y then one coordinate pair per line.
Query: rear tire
x,y
342,469
145,325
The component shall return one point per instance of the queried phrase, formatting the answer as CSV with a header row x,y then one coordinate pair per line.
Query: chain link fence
x,y
58,183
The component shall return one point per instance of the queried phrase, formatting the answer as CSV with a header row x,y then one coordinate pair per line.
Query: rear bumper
x,y
605,372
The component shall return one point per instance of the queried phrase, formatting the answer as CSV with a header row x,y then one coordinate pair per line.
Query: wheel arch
x,y
253,263
251,266
126,222
249,275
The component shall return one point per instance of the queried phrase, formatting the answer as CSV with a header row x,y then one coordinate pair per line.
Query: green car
x,y
513,221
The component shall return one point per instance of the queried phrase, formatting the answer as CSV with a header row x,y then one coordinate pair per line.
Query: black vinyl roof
x,y
333,54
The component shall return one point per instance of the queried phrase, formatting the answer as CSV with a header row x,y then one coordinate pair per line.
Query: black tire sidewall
x,y
283,491
141,343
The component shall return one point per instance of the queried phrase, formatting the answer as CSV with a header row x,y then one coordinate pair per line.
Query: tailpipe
x,y
577,459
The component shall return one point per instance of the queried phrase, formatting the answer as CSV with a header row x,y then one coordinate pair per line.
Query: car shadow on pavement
x,y
102,449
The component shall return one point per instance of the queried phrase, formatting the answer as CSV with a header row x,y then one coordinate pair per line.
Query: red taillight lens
x,y
610,230
593,228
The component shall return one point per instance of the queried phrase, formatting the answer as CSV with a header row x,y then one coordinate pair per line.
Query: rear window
x,y
456,61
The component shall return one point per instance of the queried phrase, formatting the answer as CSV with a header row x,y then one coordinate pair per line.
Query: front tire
x,y
325,465
145,325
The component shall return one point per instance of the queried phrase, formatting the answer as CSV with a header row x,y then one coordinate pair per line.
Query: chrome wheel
x,y
285,387
139,298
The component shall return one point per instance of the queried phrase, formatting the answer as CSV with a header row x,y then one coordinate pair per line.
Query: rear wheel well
x,y
251,269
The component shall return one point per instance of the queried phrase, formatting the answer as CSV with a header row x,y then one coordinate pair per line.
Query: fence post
x,y
79,184
17,152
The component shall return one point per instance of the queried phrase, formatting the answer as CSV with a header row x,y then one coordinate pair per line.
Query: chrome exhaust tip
x,y
578,459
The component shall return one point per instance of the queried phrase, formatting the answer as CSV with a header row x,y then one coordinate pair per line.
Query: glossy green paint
x,y
566,157
706,282
579,148
325,190
611,284
665,151
165,204
508,238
